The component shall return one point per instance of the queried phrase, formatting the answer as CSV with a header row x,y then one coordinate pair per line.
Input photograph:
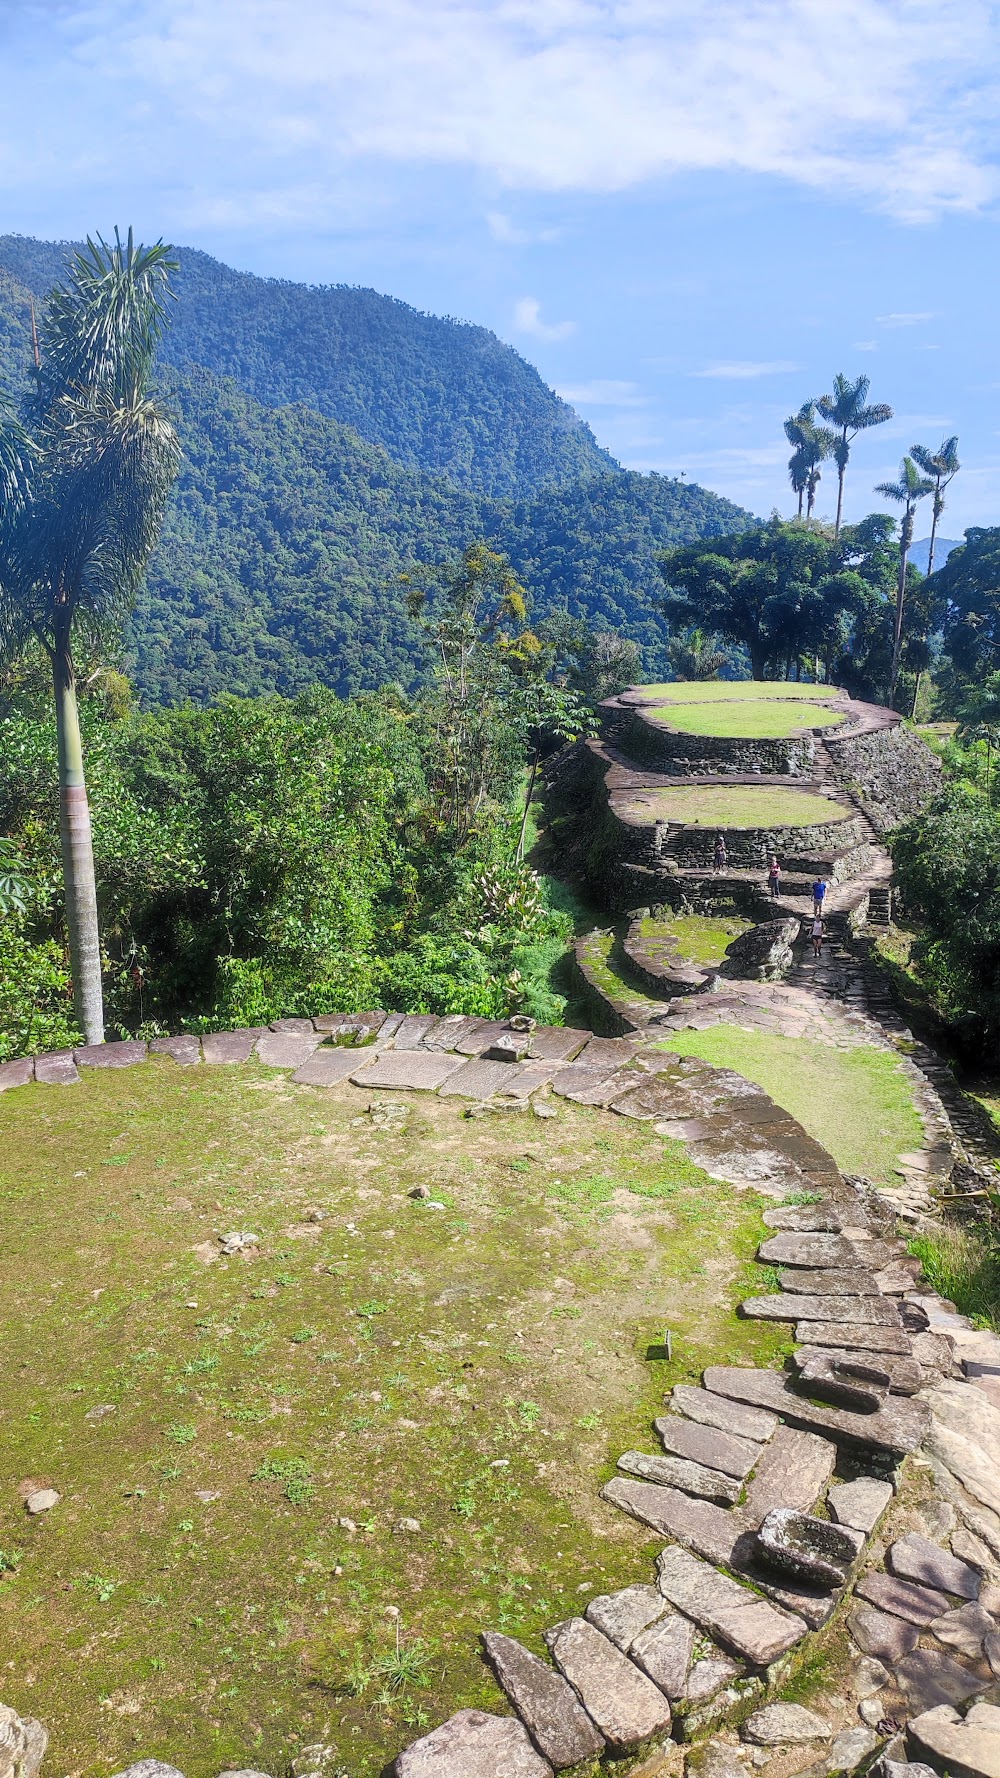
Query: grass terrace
x,y
295,1485
746,719
701,938
697,691
737,805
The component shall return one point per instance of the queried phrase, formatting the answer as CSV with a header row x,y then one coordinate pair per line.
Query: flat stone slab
x,y
328,1067
302,1026
965,1629
414,1028
557,1043
677,1472
480,1036
710,1530
859,1504
477,1079
624,1703
287,1049
790,1249
473,1745
545,1702
793,1471
880,1634
708,1676
532,1077
742,1620
664,1652
727,1416
184,1050
916,1558
707,1445
917,1605
849,1336
590,1086
863,1311
834,1281
231,1046
887,1370
608,1052
57,1069
969,1749
110,1055
449,1032
415,1070
621,1616
16,1074
930,1678
785,1725
341,1024
897,1428
802,1219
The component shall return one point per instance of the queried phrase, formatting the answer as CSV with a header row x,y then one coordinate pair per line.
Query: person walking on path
x,y
819,896
817,936
774,877
721,859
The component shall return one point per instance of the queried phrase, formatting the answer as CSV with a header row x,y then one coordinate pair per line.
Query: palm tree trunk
x,y
916,692
77,850
529,793
936,514
801,491
905,538
841,472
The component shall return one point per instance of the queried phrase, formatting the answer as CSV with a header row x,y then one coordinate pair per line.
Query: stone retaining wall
x,y
891,772
652,743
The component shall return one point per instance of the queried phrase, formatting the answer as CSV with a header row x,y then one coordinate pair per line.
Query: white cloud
x,y
889,101
864,346
603,392
907,320
507,233
745,370
528,319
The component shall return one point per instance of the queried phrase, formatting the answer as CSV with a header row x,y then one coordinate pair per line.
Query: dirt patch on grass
x,y
243,1445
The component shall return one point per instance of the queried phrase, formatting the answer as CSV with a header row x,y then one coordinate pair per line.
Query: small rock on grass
x,y
716,1759
244,1772
150,1768
869,1677
404,1527
42,1500
472,1744
783,1725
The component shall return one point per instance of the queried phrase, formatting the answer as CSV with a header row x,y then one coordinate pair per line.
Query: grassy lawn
x,y
700,938
738,805
690,691
211,1423
750,719
854,1101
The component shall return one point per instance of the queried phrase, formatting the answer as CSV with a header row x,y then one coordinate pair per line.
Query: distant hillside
x,y
287,532
943,547
437,394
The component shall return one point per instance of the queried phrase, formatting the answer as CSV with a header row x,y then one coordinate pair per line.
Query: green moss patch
x,y
696,691
239,1443
700,938
749,719
856,1102
738,805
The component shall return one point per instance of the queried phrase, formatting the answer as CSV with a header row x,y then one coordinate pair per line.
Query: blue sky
x,y
688,216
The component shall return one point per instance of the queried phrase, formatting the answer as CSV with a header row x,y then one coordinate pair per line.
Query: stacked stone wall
x,y
891,772
652,744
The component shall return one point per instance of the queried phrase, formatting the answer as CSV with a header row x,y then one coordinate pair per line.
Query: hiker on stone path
x,y
817,936
720,853
774,877
819,895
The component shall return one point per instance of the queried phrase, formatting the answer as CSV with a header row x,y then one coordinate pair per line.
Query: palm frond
x,y
101,328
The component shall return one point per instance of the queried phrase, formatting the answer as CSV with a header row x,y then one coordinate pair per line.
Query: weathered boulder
x,y
810,1549
22,1744
783,1725
472,1744
969,1749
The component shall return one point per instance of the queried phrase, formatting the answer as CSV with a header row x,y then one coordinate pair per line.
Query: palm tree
x,y
908,491
847,412
84,477
812,445
942,466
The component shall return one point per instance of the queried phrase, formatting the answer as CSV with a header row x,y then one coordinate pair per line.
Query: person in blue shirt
x,y
819,896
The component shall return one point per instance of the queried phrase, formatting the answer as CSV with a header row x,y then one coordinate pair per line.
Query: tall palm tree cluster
x,y
847,413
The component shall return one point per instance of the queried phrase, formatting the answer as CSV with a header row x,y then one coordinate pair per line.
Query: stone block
x,y
834,1281
849,1337
22,1744
448,1033
803,1219
863,1311
897,1428
231,1046
738,1618
621,1616
881,1635
590,1086
327,1067
708,1676
707,1445
413,1029
916,1558
859,1504
794,1249
480,1036
473,1745
340,1024
110,1055
727,1416
807,1548
186,1051
477,1078
710,1530
793,1471
510,1046
304,1027
16,1074
608,1052
57,1069
886,1370
677,1472
664,1652
969,1749
546,1703
929,1678
555,1043
964,1630
916,1604
415,1070
624,1703
785,1725
287,1049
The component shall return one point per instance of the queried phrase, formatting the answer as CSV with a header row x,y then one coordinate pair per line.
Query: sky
x,y
689,216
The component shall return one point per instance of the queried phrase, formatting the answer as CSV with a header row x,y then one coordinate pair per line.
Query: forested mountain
x,y
438,395
288,529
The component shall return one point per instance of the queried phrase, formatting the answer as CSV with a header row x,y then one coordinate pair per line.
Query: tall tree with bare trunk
x,y
85,472
848,415
910,489
941,466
